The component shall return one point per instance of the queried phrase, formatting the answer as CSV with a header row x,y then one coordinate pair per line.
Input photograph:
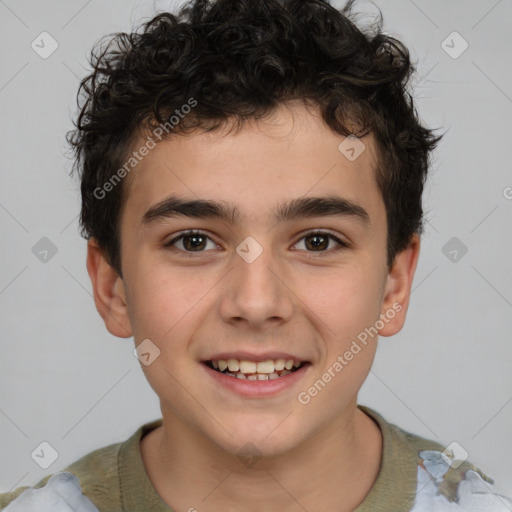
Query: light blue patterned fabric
x,y
436,492
62,493
443,485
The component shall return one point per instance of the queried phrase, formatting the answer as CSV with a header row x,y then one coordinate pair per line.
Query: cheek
x,y
157,302
162,309
344,300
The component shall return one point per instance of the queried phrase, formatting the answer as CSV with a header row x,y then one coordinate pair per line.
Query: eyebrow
x,y
302,207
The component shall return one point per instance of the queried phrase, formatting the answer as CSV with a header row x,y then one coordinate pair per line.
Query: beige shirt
x,y
115,480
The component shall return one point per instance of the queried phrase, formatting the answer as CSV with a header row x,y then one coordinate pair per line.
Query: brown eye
x,y
321,242
317,242
191,242
194,242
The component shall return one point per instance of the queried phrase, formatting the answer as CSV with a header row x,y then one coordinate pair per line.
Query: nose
x,y
257,294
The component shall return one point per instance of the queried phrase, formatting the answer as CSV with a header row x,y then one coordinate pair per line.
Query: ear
x,y
109,293
397,289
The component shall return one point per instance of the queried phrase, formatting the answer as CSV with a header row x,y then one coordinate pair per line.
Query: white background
x,y
65,380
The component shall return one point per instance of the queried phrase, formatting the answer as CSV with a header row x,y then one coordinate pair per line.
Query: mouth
x,y
269,369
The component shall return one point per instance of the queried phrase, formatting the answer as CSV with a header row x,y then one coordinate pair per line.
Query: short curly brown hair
x,y
240,59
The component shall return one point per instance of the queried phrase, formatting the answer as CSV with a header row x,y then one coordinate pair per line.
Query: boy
x,y
251,177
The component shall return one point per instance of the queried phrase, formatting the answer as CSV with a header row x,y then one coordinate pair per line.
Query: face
x,y
287,263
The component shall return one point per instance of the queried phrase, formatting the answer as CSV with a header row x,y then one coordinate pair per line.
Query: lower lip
x,y
257,388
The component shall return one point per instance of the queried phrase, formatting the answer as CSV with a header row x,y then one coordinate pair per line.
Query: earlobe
x,y
398,288
109,293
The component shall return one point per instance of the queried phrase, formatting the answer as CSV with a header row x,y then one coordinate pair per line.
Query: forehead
x,y
254,170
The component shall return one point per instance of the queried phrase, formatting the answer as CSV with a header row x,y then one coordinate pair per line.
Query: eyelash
x,y
341,243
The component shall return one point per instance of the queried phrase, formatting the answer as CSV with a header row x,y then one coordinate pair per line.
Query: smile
x,y
268,369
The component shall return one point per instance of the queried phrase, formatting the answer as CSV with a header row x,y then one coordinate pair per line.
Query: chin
x,y
272,438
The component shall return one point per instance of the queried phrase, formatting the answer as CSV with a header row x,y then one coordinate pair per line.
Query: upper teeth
x,y
244,366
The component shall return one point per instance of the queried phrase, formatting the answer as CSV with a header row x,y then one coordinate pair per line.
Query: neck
x,y
335,468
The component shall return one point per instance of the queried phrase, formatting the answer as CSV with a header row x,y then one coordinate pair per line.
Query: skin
x,y
292,298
